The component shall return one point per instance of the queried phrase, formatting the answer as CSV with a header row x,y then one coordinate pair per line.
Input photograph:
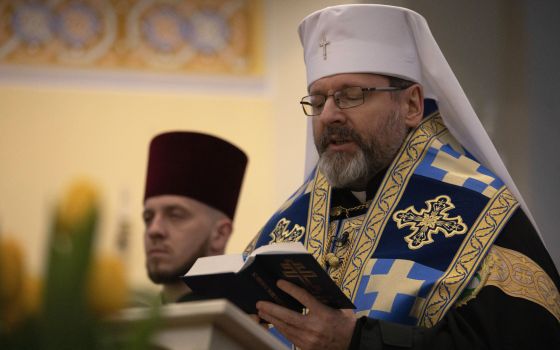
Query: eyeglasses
x,y
346,98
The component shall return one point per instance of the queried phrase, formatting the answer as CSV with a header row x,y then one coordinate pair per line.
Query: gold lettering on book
x,y
268,290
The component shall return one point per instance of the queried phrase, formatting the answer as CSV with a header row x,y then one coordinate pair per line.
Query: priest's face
x,y
179,230
356,143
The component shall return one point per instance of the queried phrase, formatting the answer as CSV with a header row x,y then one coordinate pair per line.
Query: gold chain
x,y
339,210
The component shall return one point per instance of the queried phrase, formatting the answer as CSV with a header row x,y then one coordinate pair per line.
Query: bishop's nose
x,y
331,113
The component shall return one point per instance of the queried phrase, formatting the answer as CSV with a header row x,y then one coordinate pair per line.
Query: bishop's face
x,y
178,231
356,143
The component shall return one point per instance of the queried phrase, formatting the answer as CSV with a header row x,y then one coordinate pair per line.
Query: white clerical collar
x,y
361,195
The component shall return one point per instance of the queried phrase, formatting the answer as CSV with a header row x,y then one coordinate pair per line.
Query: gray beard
x,y
353,171
343,170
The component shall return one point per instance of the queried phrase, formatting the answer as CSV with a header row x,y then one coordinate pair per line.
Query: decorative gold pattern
x,y
411,153
429,221
216,37
352,226
519,276
317,221
388,285
468,257
281,233
465,169
251,246
474,248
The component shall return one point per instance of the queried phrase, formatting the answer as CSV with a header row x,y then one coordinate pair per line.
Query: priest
x,y
192,187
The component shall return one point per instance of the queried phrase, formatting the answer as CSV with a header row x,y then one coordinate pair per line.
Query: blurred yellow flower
x,y
80,201
107,285
12,275
12,270
32,293
66,309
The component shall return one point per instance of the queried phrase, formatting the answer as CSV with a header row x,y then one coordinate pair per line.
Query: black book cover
x,y
256,280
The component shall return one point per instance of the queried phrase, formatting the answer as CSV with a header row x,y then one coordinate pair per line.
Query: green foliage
x,y
66,321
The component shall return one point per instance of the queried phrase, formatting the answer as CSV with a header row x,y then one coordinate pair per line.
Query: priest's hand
x,y
321,328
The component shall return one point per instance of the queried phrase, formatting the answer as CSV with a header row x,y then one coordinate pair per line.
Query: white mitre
x,y
394,41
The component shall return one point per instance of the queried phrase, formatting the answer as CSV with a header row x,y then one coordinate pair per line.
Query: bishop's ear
x,y
413,105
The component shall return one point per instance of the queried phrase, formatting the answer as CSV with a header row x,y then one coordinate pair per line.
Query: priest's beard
x,y
159,276
344,170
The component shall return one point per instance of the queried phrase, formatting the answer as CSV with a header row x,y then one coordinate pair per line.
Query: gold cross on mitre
x,y
429,221
324,44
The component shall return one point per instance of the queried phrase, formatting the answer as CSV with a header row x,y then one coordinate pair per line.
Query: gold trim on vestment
x,y
318,215
468,257
251,246
352,226
519,276
390,192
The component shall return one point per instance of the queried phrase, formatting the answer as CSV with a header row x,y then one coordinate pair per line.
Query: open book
x,y
246,282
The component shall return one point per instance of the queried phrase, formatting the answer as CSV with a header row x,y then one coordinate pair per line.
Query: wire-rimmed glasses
x,y
346,98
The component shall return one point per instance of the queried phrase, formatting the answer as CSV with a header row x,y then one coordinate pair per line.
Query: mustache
x,y
338,132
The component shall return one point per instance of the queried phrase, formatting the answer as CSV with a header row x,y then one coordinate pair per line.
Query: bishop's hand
x,y
322,328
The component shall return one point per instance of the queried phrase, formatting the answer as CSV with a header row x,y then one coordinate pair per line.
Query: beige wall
x,y
49,136
56,125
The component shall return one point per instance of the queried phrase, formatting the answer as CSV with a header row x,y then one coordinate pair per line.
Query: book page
x,y
276,248
281,248
216,264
